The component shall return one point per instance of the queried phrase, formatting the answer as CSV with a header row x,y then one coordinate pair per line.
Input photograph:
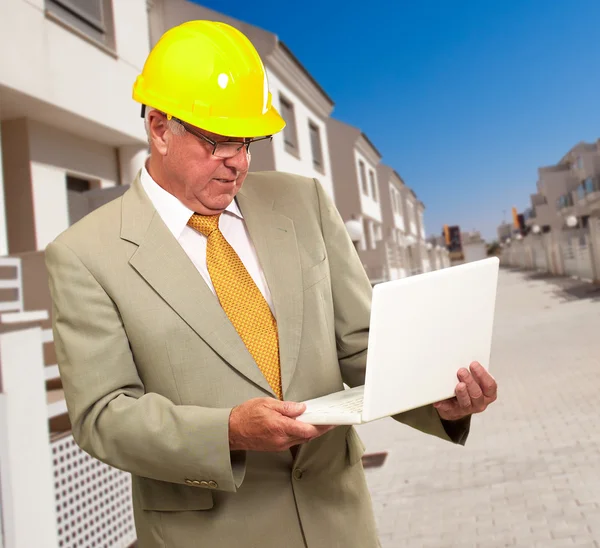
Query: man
x,y
191,313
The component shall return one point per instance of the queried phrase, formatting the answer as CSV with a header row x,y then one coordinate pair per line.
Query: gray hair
x,y
174,127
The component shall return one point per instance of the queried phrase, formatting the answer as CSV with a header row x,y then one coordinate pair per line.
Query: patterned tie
x,y
241,299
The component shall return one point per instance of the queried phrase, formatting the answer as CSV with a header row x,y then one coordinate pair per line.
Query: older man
x,y
190,314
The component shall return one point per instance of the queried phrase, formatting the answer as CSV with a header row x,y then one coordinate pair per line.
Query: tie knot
x,y
205,224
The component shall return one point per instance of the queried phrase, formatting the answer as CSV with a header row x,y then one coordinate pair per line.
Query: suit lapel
x,y
274,239
162,262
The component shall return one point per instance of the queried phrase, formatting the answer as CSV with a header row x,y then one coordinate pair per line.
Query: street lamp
x,y
536,229
571,221
355,231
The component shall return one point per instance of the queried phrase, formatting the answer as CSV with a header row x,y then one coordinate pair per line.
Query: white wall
x,y
422,222
284,161
54,65
369,206
396,200
53,155
475,251
72,153
3,227
50,204
131,160
410,206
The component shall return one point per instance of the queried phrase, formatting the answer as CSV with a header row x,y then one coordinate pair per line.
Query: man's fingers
x,y
462,396
474,390
484,380
288,408
300,430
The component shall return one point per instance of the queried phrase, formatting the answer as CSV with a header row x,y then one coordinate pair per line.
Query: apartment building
x,y
393,222
68,123
564,218
354,161
71,138
416,246
303,146
504,232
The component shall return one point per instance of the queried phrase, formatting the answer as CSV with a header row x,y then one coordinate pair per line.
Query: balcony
x,y
538,200
564,202
530,216
591,190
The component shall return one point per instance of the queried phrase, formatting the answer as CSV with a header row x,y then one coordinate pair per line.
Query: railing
x,y
52,494
538,200
590,185
564,201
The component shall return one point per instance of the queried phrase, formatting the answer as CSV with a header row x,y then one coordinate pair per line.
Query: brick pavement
x,y
529,475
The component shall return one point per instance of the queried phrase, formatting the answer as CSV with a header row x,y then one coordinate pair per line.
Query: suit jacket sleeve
x,y
352,304
112,417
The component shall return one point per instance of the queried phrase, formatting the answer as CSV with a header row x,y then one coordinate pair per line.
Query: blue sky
x,y
464,99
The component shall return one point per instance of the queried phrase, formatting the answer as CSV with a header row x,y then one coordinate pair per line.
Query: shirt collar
x,y
174,213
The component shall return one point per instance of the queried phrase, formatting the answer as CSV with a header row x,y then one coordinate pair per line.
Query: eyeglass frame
x,y
196,133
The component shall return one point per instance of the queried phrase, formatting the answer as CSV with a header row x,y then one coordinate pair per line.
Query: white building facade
x,y
68,122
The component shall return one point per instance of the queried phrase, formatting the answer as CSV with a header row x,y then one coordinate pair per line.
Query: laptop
x,y
423,329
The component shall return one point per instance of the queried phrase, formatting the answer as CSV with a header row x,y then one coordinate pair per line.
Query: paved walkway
x,y
529,475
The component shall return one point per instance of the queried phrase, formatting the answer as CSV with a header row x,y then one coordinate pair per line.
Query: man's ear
x,y
160,136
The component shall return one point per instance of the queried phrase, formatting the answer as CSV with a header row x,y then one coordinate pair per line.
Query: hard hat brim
x,y
268,124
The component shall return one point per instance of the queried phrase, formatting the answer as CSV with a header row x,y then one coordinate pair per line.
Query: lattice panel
x,y
93,500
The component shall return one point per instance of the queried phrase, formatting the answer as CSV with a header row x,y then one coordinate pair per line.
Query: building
x,y
71,139
354,161
303,146
439,256
474,246
563,221
504,232
394,240
421,244
67,128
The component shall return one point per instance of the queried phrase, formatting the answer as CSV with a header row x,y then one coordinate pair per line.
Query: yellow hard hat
x,y
210,75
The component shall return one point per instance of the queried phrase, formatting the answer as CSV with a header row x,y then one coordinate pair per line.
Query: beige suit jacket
x,y
151,368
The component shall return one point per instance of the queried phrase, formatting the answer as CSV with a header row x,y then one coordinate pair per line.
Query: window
x,y
372,235
373,185
378,231
367,231
315,144
393,199
398,203
363,177
290,137
77,197
93,18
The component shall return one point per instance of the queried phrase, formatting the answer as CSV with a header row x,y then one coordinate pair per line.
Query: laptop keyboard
x,y
349,405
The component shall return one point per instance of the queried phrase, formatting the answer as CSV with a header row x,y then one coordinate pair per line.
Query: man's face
x,y
204,183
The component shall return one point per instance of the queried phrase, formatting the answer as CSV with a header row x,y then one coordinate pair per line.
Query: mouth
x,y
225,181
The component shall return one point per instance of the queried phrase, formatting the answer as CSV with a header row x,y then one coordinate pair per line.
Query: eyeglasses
x,y
222,149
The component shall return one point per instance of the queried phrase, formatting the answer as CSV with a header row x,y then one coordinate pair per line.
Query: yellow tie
x,y
241,299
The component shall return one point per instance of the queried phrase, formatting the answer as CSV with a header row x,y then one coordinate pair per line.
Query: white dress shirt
x,y
231,224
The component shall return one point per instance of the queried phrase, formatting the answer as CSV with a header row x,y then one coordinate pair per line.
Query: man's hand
x,y
475,391
267,424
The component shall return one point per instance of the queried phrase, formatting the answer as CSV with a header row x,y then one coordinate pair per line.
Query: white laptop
x,y
423,329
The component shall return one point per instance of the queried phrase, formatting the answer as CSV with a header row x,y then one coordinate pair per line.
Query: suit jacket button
x,y
196,482
204,483
189,482
213,484
298,473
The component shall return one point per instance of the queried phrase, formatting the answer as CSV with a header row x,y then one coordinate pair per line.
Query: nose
x,y
240,162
